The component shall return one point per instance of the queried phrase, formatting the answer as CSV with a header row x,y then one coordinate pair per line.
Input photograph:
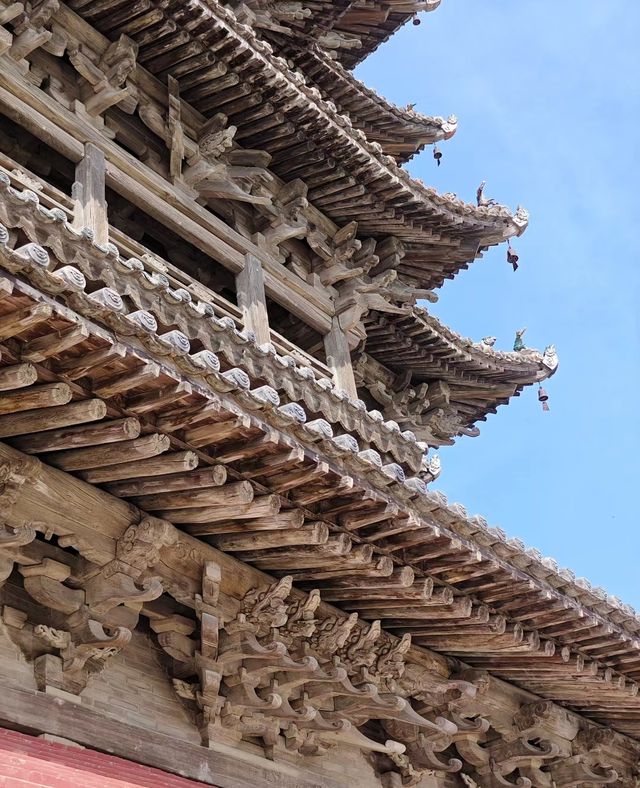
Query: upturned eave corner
x,y
222,552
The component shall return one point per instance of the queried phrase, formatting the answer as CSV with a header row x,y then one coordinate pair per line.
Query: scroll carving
x,y
279,672
92,614
14,533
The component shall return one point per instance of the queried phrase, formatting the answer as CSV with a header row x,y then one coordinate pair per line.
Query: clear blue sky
x,y
547,95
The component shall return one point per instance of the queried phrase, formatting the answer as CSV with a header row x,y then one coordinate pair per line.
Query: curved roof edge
x,y
401,131
516,222
405,12
532,562
542,364
438,383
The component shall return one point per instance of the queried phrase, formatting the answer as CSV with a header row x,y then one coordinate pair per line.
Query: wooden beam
x,y
89,194
110,454
63,130
80,436
213,476
252,300
174,462
264,506
17,377
229,496
58,716
339,359
44,396
51,418
44,347
24,319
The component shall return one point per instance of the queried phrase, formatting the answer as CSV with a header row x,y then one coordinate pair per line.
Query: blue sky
x,y
548,99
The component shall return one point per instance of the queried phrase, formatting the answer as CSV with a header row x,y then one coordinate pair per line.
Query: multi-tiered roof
x,y
214,365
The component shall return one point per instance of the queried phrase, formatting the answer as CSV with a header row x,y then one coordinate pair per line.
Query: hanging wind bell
x,y
543,397
512,257
437,154
416,21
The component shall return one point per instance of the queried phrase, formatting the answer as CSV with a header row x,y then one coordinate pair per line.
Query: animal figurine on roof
x,y
518,343
483,202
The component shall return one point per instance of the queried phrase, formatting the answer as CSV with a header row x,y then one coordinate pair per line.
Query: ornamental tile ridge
x,y
106,305
561,579
52,228
517,220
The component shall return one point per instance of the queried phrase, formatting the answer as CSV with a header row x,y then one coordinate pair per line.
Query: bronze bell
x,y
437,154
416,21
543,397
512,257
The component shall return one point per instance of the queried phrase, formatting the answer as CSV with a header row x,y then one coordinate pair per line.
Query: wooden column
x,y
339,358
252,300
89,193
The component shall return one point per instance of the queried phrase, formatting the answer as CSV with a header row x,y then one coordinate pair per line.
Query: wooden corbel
x,y
31,28
580,770
336,255
543,720
505,757
216,138
108,77
92,612
214,176
128,580
359,296
12,538
334,40
390,253
274,16
82,647
289,206
14,532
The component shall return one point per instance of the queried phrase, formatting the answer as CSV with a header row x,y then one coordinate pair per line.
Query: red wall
x,y
26,761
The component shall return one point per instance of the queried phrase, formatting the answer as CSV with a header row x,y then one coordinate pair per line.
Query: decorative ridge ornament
x,y
518,343
481,200
550,358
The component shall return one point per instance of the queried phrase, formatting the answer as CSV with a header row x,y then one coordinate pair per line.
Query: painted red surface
x,y
26,761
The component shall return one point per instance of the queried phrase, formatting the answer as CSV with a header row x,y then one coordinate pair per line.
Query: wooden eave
x,y
70,504
208,322
368,21
375,23
348,177
480,378
402,133
506,609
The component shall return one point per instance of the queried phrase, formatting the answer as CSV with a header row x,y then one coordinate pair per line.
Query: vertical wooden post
x,y
89,194
176,136
339,358
252,300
